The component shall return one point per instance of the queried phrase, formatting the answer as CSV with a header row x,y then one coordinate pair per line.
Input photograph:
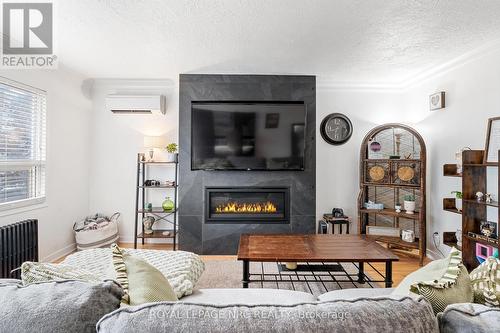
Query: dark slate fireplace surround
x,y
205,232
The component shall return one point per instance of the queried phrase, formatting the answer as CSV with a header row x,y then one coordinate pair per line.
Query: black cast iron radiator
x,y
18,243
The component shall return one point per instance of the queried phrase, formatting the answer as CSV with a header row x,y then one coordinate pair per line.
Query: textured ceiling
x,y
379,41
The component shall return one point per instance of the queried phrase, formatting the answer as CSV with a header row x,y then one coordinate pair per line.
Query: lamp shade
x,y
155,142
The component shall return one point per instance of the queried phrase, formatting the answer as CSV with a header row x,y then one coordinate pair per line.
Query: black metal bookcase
x,y
157,212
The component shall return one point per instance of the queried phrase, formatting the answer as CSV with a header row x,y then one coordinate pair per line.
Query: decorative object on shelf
x,y
488,198
473,235
149,206
153,142
373,205
483,252
168,205
458,235
458,200
458,158
147,222
397,207
375,146
170,183
383,231
409,203
171,152
166,233
408,236
405,172
336,129
488,228
152,182
377,172
492,141
437,101
479,196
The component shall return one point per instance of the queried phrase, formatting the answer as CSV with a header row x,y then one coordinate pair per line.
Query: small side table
x,y
340,221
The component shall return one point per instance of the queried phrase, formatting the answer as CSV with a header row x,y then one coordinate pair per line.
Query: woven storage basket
x,y
101,237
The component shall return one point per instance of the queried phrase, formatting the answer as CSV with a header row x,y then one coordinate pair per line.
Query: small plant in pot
x,y
409,203
171,152
458,200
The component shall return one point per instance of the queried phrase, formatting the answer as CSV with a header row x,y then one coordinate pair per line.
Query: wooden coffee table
x,y
282,248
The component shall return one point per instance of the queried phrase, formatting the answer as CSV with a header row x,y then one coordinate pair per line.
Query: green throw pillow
x,y
142,282
485,280
441,282
33,272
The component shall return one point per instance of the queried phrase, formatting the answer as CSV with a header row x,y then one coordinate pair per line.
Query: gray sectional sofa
x,y
57,307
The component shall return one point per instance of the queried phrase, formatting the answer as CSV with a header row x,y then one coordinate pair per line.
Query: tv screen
x,y
247,135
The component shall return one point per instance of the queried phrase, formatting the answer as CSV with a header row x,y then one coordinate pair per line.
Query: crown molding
x,y
327,83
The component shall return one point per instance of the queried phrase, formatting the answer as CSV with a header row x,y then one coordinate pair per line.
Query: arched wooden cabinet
x,y
392,166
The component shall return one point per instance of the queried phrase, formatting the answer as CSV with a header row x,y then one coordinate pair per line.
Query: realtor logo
x,y
27,30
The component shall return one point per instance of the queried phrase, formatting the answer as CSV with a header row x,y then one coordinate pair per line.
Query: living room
x,y
313,165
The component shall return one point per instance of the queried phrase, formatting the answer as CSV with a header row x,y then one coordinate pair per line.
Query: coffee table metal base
x,y
322,273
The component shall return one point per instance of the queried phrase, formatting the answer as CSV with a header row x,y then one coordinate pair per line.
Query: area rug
x,y
228,274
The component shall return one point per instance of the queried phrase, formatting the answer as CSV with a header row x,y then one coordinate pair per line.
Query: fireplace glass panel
x,y
247,205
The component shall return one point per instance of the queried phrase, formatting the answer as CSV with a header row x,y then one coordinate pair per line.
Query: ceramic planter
x,y
409,207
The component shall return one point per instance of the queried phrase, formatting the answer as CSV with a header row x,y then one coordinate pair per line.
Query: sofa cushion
x,y
433,271
249,296
485,280
354,293
361,315
141,282
32,272
182,269
469,318
57,306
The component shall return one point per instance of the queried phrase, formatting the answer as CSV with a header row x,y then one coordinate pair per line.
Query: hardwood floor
x,y
400,269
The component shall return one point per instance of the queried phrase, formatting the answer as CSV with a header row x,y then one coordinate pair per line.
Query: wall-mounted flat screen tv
x,y
248,135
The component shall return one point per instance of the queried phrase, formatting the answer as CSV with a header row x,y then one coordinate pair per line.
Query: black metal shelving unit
x,y
157,212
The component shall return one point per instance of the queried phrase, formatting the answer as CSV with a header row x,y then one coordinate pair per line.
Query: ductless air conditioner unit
x,y
137,104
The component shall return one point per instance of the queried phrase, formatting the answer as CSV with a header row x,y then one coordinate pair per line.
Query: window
x,y
22,145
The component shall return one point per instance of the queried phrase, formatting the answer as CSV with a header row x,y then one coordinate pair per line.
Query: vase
x,y
171,157
458,204
167,205
409,207
147,223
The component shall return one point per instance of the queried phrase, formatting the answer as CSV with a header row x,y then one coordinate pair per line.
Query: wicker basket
x,y
99,237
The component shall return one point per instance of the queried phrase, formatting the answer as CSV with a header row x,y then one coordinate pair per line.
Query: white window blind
x,y
22,144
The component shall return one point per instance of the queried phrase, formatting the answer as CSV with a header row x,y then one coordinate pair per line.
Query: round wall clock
x,y
336,129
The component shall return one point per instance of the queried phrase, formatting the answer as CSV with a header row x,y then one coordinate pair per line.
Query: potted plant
x,y
409,203
171,152
458,200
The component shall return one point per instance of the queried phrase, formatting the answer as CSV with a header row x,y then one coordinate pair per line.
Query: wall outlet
x,y
437,240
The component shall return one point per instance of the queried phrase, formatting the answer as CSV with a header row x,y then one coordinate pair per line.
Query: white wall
x,y
471,98
116,140
337,167
68,115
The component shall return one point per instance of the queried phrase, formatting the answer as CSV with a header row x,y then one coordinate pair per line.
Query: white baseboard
x,y
60,253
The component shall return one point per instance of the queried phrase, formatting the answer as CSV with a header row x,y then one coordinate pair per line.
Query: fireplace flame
x,y
234,207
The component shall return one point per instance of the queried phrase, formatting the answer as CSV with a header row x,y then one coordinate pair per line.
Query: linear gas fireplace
x,y
247,205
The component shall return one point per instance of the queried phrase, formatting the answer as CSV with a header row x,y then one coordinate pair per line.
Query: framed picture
x,y
437,101
492,141
272,120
